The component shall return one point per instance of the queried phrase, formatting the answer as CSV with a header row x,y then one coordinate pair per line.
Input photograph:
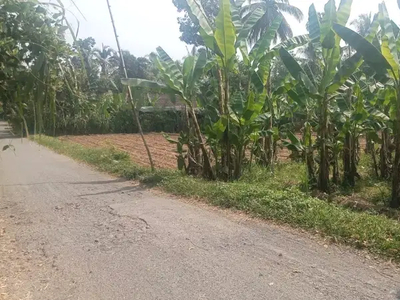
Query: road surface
x,y
69,232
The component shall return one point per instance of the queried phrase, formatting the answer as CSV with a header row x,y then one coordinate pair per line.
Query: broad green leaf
x,y
372,56
296,70
291,64
143,83
294,144
237,21
388,46
261,74
225,32
198,12
396,29
390,96
167,76
264,69
390,56
257,81
171,68
314,29
328,19
344,11
188,65
239,3
199,67
209,40
264,43
295,97
349,66
373,29
332,59
377,114
293,43
219,128
244,51
249,23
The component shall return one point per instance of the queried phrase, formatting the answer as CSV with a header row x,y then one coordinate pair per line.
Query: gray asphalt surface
x,y
68,232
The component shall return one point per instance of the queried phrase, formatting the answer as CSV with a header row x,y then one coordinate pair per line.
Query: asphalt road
x,y
69,232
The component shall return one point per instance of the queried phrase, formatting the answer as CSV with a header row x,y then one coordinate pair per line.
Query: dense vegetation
x,y
335,95
246,89
49,86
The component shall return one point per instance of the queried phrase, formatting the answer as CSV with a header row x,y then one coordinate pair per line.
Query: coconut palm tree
x,y
271,9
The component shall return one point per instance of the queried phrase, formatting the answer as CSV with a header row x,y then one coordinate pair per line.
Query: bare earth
x,y
163,152
68,232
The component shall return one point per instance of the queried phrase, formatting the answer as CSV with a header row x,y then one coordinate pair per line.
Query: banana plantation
x,y
248,87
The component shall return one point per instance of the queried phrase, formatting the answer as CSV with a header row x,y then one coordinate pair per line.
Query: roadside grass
x,y
274,197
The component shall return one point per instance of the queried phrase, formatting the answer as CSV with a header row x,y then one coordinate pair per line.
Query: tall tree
x,y
272,9
137,67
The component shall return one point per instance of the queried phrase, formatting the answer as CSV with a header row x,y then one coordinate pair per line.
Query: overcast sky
x,y
145,24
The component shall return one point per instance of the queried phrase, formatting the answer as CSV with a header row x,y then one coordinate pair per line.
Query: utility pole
x,y
130,95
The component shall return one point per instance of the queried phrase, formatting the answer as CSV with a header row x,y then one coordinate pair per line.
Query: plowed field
x,y
164,153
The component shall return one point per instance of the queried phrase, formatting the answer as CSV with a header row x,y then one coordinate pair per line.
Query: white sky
x,y
145,24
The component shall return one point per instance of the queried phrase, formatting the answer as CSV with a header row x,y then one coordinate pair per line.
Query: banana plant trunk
x,y
354,157
323,180
347,158
221,92
395,201
191,153
228,142
384,155
309,154
208,171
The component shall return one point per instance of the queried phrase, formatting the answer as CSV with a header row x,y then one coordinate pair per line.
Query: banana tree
x,y
384,61
182,83
221,41
334,75
228,38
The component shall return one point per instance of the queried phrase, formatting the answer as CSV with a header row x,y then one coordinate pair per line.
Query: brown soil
x,y
163,152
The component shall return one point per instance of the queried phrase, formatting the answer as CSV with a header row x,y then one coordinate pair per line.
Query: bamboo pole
x,y
130,96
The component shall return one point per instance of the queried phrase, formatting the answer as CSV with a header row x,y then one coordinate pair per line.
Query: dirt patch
x,y
163,152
